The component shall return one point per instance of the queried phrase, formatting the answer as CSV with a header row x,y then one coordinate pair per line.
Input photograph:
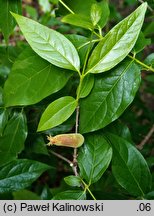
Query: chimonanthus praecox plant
x,y
105,75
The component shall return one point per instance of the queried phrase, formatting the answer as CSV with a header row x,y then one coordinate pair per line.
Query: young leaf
x,y
110,96
33,79
78,20
70,195
13,137
96,13
94,157
129,167
7,22
57,112
73,181
49,44
86,86
104,7
119,41
20,174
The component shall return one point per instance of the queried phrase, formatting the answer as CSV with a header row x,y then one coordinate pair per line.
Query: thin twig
x,y
61,157
66,6
147,137
77,120
148,5
75,149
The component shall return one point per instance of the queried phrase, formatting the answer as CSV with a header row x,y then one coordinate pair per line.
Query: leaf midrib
x,y
53,46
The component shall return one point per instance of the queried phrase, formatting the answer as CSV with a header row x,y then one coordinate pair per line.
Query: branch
x,y
147,137
148,5
75,149
149,68
61,157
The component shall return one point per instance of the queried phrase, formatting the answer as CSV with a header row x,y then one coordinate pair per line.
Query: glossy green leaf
x,y
70,195
73,181
20,174
96,13
32,79
94,157
57,112
119,41
111,95
78,20
104,7
129,167
7,22
13,138
49,44
86,86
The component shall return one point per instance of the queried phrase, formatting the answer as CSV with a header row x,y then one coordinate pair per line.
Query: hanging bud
x,y
73,140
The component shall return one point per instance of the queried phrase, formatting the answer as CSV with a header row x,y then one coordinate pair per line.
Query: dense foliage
x,y
69,68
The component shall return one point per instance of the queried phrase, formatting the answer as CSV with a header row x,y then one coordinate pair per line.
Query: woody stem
x,y
75,149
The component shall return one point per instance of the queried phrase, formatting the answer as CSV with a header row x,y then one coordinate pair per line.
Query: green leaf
x,y
96,13
110,96
78,20
45,5
77,6
129,167
119,41
70,195
94,157
81,43
73,181
49,44
20,174
7,22
13,138
86,86
104,7
25,195
57,112
120,129
141,43
32,79
150,60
